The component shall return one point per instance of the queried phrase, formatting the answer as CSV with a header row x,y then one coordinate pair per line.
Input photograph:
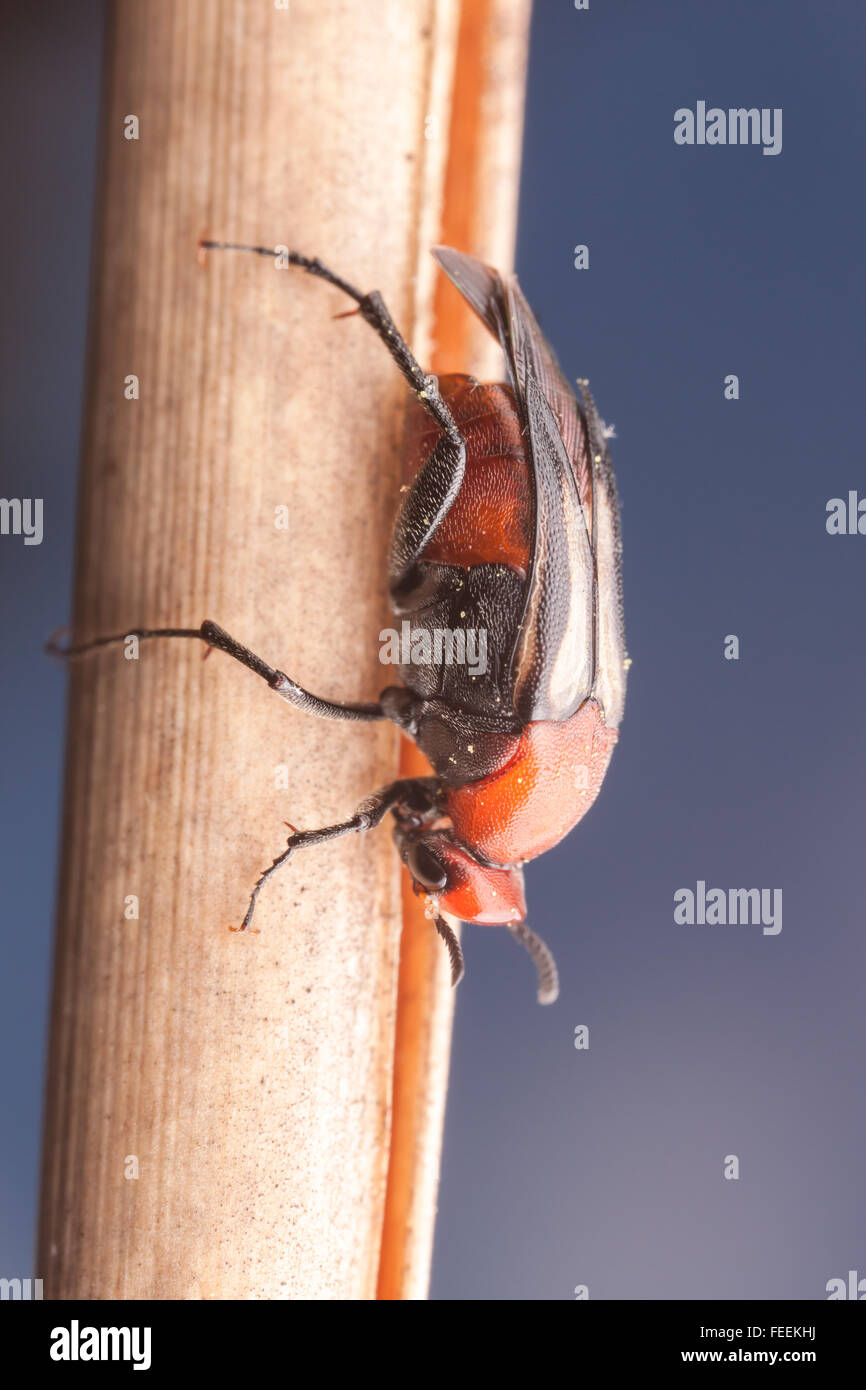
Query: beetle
x,y
509,525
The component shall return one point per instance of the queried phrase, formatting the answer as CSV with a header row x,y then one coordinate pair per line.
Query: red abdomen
x,y
529,804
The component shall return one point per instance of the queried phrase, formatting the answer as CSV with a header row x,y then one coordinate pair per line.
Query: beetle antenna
x,y
548,975
446,931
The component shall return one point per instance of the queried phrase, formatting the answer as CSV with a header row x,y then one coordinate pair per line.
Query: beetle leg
x,y
368,815
374,312
548,975
424,508
215,636
436,486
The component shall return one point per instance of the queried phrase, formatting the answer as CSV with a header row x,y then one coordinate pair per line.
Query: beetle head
x,y
459,885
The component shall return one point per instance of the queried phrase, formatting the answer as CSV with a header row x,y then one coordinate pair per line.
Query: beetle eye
x,y
425,867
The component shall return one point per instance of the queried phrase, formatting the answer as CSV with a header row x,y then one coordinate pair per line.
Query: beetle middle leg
x,y
216,636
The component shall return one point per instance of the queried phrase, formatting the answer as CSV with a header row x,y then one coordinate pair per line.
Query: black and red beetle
x,y
510,526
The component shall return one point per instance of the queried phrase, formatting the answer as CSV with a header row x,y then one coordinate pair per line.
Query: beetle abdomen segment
x,y
527,806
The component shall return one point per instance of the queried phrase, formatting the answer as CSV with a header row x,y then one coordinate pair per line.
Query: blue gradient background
x,y
602,1167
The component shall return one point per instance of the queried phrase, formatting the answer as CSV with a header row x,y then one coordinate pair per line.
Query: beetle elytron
x,y
510,525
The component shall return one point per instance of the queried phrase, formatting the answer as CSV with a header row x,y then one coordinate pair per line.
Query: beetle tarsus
x,y
54,648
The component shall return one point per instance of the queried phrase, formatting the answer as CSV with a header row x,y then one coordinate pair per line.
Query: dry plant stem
x,y
218,1105
479,215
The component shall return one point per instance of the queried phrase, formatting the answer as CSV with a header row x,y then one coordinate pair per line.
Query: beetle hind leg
x,y
425,506
374,312
438,483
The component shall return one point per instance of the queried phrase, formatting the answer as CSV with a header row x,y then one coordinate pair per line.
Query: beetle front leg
x,y
216,636
414,792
